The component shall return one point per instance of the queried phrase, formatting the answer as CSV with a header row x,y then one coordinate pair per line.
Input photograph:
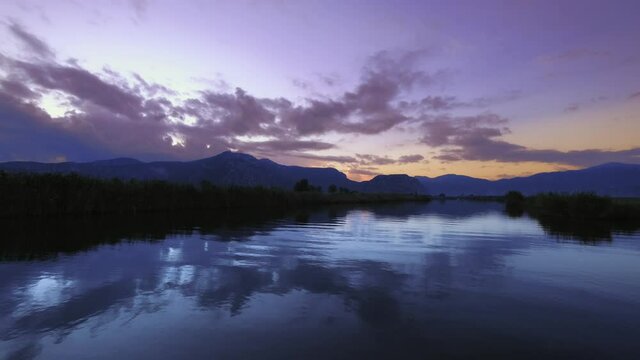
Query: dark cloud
x,y
28,133
82,85
370,108
33,43
17,89
113,119
446,130
407,159
232,114
477,138
635,95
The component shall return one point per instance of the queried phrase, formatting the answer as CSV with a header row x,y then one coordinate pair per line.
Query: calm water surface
x,y
439,280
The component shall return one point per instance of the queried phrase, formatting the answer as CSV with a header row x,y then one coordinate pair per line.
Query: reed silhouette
x,y
58,194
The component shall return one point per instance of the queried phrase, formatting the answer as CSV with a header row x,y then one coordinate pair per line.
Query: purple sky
x,y
482,88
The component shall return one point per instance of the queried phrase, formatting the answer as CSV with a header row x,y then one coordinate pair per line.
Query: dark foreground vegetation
x,y
583,216
578,206
56,194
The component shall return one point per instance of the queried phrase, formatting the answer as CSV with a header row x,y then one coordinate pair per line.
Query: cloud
x,y
302,84
17,89
28,133
579,105
139,6
101,114
368,159
573,55
132,116
447,130
368,109
317,81
407,159
33,43
328,158
361,171
232,114
284,145
364,161
83,86
476,138
635,95
572,107
438,103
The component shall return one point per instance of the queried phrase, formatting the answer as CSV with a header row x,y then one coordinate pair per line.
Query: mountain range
x,y
613,179
232,168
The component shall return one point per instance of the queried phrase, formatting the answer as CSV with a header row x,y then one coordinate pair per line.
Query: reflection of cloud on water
x,y
45,291
172,254
387,269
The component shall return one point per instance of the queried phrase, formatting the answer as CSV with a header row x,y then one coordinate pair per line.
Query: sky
x,y
488,89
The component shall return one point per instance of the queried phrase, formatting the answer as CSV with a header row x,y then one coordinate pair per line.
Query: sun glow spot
x,y
189,120
56,104
177,139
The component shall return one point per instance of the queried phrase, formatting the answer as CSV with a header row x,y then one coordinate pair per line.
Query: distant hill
x,y
455,185
231,168
613,179
227,168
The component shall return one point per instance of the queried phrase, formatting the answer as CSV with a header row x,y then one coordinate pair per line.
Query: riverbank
x,y
29,194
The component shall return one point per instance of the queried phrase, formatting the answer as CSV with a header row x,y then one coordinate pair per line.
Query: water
x,y
441,280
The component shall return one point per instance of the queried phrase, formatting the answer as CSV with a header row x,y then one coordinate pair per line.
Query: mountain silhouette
x,y
238,169
225,169
613,179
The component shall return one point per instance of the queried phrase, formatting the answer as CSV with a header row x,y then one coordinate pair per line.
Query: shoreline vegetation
x,y
29,194
573,207
33,194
